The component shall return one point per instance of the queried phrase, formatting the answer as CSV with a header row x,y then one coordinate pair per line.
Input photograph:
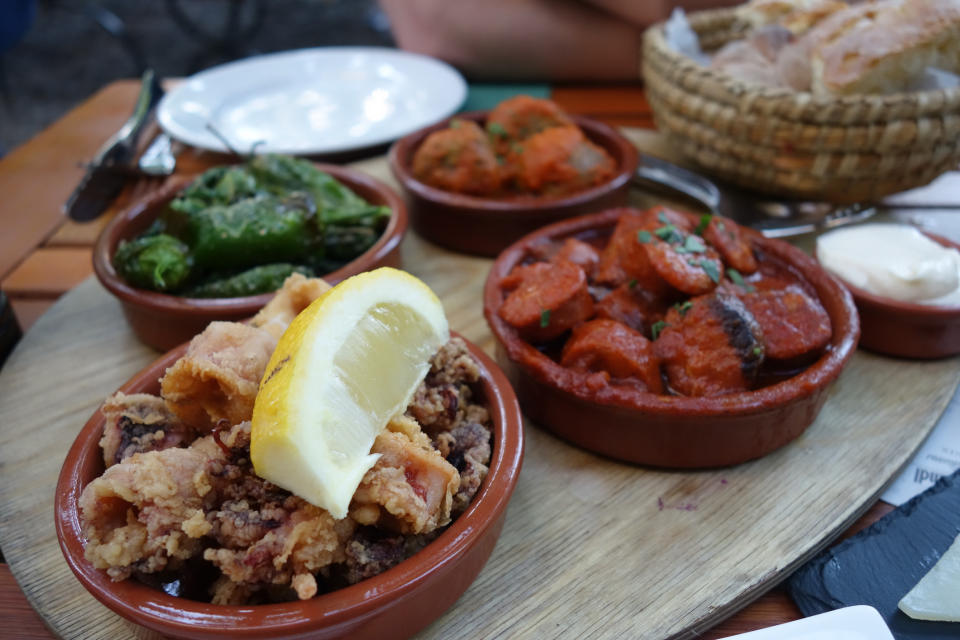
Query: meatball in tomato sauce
x,y
459,159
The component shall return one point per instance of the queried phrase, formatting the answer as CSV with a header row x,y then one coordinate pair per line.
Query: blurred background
x,y
56,53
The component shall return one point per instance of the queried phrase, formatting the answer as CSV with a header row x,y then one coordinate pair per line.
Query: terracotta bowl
x,y
905,329
394,604
163,321
661,430
483,226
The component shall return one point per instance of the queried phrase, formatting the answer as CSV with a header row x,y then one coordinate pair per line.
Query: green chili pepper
x,y
262,279
347,242
159,262
217,186
254,231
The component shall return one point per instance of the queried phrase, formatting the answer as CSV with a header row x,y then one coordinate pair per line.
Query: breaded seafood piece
x,y
409,489
145,514
459,159
294,296
444,400
217,378
138,423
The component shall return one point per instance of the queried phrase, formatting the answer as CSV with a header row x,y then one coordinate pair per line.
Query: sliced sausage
x,y
710,346
547,299
725,236
630,305
579,253
795,325
609,269
613,348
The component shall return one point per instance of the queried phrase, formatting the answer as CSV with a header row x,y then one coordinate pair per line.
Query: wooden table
x,y
41,257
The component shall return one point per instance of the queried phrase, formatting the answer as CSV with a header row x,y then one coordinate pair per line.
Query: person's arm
x,y
538,39
515,39
643,13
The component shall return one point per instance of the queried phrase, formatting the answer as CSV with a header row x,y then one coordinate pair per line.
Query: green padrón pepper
x,y
158,262
254,231
262,279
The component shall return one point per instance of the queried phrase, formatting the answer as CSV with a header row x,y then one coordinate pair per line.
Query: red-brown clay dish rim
x,y
146,209
326,616
401,156
816,377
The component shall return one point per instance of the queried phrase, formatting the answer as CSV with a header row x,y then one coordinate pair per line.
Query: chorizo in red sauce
x,y
547,299
724,235
795,326
579,253
630,305
709,346
625,355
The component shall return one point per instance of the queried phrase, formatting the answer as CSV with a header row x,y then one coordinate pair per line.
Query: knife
x,y
774,219
110,168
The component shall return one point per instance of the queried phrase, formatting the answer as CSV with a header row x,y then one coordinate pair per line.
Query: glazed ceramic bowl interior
x,y
906,329
393,604
662,430
484,226
164,321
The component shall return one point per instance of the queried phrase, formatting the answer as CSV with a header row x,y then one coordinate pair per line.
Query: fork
x,y
773,218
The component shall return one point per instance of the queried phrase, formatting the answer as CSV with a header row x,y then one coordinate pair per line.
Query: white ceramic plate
x,y
312,101
851,623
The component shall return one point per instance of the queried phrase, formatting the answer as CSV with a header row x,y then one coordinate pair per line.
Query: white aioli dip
x,y
894,261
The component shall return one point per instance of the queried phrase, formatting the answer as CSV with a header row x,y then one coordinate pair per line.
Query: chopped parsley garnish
x,y
738,280
668,233
683,307
516,148
662,217
496,129
644,237
710,267
758,350
665,231
632,283
545,318
703,224
694,244
657,327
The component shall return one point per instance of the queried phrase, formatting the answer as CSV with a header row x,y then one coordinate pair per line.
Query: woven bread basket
x,y
789,143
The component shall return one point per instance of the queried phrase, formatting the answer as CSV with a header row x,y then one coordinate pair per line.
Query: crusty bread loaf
x,y
797,16
882,47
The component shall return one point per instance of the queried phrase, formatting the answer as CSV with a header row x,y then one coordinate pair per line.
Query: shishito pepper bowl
x,y
163,321
391,605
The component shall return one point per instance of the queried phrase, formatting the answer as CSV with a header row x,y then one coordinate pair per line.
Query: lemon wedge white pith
x,y
346,365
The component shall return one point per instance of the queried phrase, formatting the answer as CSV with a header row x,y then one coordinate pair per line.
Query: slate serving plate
x,y
879,565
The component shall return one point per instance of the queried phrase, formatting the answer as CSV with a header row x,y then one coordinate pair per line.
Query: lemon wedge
x,y
346,365
937,595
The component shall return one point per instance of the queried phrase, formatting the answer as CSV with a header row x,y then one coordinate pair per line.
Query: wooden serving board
x,y
591,548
